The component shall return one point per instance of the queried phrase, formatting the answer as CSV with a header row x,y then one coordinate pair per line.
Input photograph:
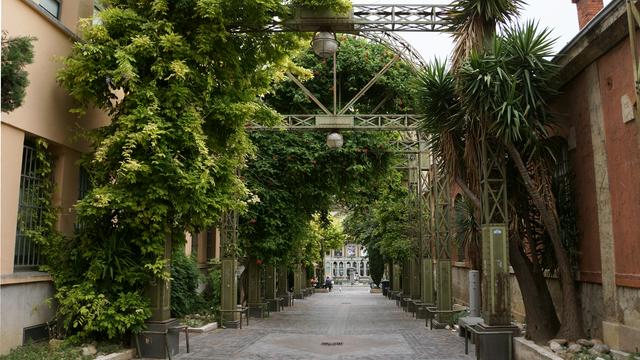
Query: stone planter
x,y
375,291
122,355
204,328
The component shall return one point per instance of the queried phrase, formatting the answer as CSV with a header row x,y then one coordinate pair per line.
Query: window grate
x,y
27,254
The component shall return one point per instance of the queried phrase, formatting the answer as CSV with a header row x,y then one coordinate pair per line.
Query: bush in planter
x,y
185,277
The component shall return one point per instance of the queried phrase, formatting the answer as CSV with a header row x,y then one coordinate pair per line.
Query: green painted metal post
x,y
416,292
406,278
496,302
283,281
395,274
228,240
426,229
428,296
253,269
297,282
159,291
442,239
270,282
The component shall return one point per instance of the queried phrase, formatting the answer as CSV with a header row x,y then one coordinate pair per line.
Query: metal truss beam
x,y
400,46
398,122
364,18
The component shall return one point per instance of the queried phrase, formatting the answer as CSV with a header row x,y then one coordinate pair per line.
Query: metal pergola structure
x,y
427,182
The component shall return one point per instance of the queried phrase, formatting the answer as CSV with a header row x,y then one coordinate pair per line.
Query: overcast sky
x,y
560,15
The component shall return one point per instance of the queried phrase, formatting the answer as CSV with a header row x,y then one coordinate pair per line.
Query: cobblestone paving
x,y
369,326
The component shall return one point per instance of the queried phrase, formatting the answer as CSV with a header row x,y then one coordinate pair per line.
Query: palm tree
x,y
499,84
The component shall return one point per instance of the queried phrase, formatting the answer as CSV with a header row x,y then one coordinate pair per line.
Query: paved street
x,y
365,326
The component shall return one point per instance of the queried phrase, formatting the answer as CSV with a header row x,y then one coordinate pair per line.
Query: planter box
x,y
203,329
313,20
375,291
322,290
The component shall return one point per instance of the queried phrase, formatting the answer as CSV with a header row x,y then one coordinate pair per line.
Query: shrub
x,y
185,277
92,314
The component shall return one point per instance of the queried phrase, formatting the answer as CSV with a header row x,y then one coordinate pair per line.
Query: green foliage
x,y
376,265
16,53
357,62
384,225
214,281
509,85
339,6
65,351
185,278
169,76
493,11
295,177
90,314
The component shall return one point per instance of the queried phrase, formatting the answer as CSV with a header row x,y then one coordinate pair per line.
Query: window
x,y
211,239
338,253
27,254
84,185
51,6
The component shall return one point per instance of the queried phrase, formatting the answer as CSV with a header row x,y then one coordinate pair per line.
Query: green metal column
x,y
428,296
159,290
416,292
496,302
406,278
253,269
270,282
297,282
426,230
442,237
395,274
228,241
283,281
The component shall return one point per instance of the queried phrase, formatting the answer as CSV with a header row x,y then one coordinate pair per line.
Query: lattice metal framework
x,y
493,183
399,122
365,18
441,211
395,42
229,234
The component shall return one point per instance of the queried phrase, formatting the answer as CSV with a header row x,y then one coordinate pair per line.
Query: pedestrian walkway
x,y
347,324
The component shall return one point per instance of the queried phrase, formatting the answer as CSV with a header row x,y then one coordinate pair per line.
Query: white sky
x,y
559,15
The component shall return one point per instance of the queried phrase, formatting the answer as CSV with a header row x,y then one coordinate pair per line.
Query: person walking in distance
x,y
328,283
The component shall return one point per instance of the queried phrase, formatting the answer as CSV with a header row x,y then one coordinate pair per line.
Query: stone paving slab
x,y
352,323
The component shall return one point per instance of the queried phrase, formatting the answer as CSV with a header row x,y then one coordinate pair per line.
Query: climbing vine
x,y
170,77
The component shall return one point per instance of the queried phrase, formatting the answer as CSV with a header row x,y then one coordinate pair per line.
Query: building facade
x,y
347,264
43,115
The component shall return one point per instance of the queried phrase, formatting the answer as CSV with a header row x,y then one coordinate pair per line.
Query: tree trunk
x,y
467,191
571,327
541,318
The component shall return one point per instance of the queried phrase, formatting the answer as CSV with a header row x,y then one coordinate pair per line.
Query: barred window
x,y
84,185
27,254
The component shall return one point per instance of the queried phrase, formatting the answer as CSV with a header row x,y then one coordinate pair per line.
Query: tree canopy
x,y
16,53
295,176
179,87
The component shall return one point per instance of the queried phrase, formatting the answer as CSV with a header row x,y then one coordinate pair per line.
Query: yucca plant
x,y
500,84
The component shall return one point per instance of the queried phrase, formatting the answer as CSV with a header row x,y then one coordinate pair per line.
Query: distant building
x,y
349,262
